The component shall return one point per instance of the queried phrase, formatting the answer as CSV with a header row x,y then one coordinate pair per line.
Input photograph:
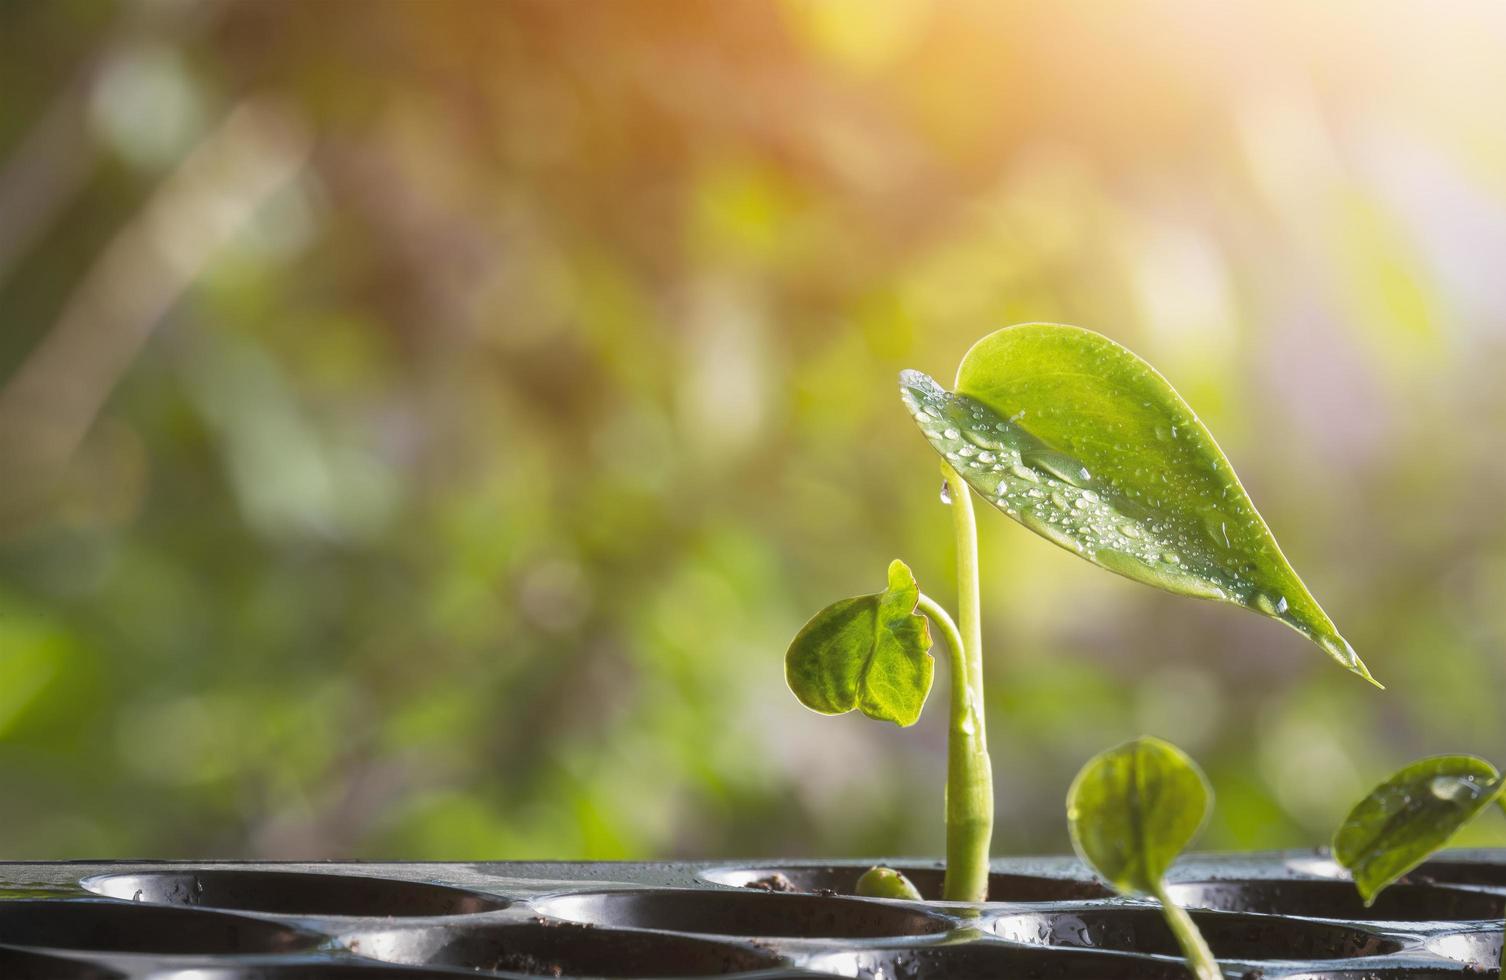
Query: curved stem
x,y
1194,948
950,635
969,782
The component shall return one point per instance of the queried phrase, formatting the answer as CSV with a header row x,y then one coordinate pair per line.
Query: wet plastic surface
x,y
1270,916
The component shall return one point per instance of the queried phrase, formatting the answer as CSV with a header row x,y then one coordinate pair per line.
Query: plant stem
x,y
1194,948
969,778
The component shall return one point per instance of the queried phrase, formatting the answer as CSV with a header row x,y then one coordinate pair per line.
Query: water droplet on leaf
x,y
1059,465
1455,789
1270,605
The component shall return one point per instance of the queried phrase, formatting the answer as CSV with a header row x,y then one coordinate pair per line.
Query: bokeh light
x,y
424,424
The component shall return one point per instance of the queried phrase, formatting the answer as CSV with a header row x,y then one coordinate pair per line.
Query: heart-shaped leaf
x,y
1132,809
868,652
1411,815
1084,443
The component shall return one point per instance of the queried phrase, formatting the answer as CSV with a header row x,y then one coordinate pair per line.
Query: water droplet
x,y
1455,789
1154,569
1129,530
1025,473
950,433
979,439
1059,465
1017,415
1270,605
986,457
1048,530
946,493
1338,648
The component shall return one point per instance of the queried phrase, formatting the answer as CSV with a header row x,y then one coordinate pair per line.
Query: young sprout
x,y
870,653
1082,442
1131,811
1412,814
886,883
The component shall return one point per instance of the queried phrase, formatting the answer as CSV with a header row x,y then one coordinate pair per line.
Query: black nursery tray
x,y
1265,916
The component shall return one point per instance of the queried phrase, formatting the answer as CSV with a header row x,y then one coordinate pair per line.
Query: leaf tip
x,y
1339,649
922,395
1364,672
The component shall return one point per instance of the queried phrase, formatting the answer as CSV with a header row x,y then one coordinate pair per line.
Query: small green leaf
x,y
1132,809
868,653
1084,443
1411,815
886,883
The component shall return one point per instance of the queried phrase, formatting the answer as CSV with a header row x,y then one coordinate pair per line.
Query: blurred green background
x,y
423,424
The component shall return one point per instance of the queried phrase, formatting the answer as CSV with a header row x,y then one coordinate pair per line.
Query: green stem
x,y
969,779
1501,801
1194,948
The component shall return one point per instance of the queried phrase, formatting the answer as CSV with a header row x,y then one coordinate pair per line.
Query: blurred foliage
x,y
459,502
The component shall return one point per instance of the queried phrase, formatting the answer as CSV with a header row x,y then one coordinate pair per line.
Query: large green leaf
x,y
1084,443
1132,810
1411,815
867,652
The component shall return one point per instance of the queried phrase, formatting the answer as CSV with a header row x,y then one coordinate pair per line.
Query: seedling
x,y
887,883
1412,814
1131,811
1081,441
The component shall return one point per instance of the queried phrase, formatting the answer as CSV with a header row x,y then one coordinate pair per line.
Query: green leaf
x,y
1132,810
1084,443
1411,815
886,883
868,653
